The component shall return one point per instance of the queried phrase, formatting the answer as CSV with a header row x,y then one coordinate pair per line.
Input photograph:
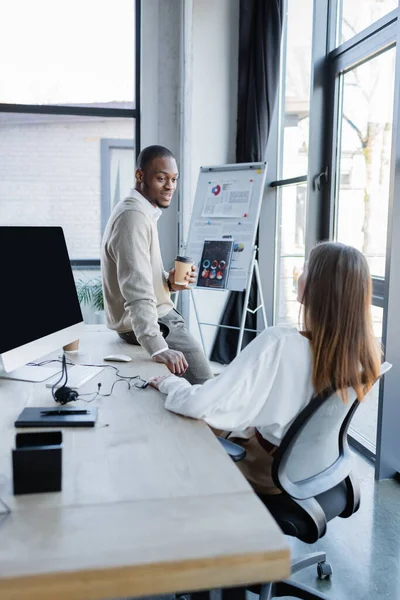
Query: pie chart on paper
x,y
216,189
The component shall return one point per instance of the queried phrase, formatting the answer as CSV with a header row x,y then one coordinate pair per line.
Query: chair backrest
x,y
314,455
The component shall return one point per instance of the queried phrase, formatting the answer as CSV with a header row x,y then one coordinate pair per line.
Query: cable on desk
x,y
127,378
70,363
4,513
96,394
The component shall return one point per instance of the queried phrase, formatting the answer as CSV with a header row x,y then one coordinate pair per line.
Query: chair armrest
x,y
235,451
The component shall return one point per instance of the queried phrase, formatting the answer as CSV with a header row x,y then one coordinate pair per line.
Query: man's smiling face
x,y
158,180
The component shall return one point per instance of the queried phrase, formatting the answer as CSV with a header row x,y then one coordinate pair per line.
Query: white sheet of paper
x,y
227,198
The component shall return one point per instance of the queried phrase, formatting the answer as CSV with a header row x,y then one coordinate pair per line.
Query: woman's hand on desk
x,y
155,381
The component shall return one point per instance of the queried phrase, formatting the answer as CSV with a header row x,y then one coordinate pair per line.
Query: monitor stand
x,y
32,373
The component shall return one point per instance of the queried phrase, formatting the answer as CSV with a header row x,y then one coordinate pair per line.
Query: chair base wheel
x,y
324,570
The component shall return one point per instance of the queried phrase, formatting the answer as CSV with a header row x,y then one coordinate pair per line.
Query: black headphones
x,y
63,394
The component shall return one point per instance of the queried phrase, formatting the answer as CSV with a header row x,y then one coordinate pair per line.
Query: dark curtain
x,y
260,32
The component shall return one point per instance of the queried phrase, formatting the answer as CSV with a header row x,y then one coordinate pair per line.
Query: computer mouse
x,y
118,358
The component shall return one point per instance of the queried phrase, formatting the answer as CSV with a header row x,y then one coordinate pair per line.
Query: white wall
x,y
215,28
215,74
161,81
189,100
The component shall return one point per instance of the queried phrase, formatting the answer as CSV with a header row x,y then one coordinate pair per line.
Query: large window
x,y
77,52
292,200
363,98
295,92
293,157
354,16
342,178
68,115
364,152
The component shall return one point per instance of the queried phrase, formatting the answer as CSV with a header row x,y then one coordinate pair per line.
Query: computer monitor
x,y
39,307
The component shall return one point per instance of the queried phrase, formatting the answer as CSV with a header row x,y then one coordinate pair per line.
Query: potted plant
x,y
90,293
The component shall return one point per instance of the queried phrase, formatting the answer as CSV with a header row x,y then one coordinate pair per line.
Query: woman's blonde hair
x,y
337,320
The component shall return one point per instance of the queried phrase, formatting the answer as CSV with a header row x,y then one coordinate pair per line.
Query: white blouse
x,y
266,386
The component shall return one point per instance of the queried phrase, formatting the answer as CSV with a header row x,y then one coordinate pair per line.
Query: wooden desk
x,y
150,503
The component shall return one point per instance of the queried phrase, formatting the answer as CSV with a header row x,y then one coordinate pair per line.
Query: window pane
x,y
296,86
364,158
357,16
291,252
53,172
71,53
365,420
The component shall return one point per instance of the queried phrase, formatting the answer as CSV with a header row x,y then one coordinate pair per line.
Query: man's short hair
x,y
147,155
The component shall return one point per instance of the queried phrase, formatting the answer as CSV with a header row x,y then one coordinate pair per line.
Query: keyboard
x,y
78,375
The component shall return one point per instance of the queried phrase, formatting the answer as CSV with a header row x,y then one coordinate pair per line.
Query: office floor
x,y
364,551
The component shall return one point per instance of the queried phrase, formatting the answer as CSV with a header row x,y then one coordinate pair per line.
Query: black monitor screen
x,y
38,295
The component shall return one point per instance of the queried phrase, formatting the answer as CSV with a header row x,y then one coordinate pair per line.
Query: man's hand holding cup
x,y
183,275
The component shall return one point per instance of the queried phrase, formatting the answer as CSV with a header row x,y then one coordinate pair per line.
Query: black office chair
x,y
313,468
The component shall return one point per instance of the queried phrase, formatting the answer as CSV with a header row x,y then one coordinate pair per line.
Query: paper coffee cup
x,y
183,265
72,347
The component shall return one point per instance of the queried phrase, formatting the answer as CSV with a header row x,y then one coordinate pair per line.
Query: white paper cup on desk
x,y
183,265
72,347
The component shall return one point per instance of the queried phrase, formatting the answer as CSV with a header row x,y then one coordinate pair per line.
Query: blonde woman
x,y
260,393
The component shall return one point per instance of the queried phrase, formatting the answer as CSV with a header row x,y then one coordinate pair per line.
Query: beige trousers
x,y
174,330
257,464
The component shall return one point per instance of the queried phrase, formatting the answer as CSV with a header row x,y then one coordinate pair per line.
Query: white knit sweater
x,y
134,281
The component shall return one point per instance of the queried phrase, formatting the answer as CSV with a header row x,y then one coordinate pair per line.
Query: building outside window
x,y
67,93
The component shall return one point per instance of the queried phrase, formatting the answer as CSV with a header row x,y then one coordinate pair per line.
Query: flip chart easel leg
x,y
198,321
262,305
246,303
